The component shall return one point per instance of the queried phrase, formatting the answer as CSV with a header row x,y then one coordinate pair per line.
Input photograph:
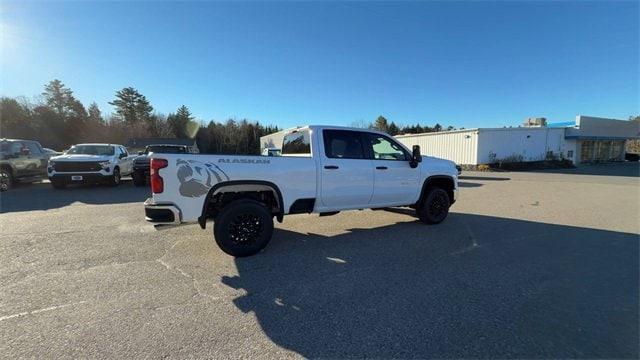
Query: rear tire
x,y
435,207
138,179
114,180
243,228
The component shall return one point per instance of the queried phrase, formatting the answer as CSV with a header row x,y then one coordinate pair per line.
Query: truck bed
x,y
188,177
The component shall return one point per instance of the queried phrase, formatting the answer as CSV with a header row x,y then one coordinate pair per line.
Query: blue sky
x,y
464,64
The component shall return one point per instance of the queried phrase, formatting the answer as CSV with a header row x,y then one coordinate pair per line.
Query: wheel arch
x,y
445,182
8,167
239,186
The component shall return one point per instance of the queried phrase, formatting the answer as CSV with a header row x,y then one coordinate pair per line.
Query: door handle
x,y
381,167
330,167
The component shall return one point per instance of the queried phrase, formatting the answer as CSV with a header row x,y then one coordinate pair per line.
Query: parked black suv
x,y
21,160
141,163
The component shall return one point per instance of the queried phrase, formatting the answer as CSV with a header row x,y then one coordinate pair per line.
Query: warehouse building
x,y
588,139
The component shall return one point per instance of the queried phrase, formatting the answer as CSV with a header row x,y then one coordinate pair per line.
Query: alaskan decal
x,y
244,161
196,178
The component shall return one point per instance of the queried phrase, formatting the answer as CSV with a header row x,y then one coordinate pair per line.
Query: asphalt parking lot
x,y
527,265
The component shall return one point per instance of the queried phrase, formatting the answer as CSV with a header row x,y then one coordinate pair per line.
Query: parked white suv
x,y
90,163
322,170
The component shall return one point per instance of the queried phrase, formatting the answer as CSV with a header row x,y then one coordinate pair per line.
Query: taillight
x,y
157,184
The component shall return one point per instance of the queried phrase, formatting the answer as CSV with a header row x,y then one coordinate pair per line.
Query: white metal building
x,y
588,139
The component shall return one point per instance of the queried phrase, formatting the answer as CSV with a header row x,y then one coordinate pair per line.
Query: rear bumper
x,y
161,214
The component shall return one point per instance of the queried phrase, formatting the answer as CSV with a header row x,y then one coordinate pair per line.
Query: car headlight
x,y
104,164
52,163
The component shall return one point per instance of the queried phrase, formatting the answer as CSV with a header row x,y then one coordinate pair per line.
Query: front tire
x,y
114,180
243,228
435,207
6,179
58,184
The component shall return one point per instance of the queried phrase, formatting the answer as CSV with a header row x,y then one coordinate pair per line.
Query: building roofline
x,y
439,132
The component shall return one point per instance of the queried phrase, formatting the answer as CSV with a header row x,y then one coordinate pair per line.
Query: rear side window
x,y
297,143
343,144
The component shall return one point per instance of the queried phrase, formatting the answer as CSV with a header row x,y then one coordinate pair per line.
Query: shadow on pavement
x,y
488,178
41,196
473,286
468,184
629,169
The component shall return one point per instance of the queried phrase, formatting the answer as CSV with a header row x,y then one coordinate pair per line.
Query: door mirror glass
x,y
25,151
416,157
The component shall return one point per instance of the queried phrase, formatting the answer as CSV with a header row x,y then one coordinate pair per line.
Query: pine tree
x,y
95,116
58,97
132,106
393,129
381,124
180,121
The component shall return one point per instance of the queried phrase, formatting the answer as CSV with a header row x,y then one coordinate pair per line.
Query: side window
x,y
297,143
16,148
33,147
343,144
124,151
383,148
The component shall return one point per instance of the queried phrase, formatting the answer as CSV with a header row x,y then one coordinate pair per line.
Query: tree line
x,y
382,124
59,120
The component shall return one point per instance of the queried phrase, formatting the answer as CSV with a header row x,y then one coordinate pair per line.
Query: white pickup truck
x,y
90,163
323,169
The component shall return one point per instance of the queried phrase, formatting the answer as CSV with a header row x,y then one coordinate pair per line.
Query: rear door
x,y
346,172
395,182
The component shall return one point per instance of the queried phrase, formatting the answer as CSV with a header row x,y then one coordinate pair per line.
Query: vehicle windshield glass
x,y
163,149
92,150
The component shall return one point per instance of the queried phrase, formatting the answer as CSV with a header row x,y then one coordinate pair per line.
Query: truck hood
x,y
430,163
141,159
81,157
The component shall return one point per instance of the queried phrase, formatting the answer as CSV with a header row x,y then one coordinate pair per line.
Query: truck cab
x,y
322,169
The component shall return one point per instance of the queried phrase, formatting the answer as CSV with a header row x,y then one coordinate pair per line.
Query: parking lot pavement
x,y
527,265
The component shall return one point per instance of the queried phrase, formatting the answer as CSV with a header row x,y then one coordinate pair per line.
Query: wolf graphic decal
x,y
196,178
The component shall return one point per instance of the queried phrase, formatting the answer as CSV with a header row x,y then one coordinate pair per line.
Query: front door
x,y
346,172
35,159
395,181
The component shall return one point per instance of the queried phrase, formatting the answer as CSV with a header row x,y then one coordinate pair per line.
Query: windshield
x,y
92,150
164,149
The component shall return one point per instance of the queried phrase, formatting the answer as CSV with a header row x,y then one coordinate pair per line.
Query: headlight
x,y
104,164
52,163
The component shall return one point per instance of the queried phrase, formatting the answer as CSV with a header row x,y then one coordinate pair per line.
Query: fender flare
x,y
202,220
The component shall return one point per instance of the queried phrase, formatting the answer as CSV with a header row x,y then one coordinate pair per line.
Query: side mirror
x,y
123,155
415,156
140,153
25,152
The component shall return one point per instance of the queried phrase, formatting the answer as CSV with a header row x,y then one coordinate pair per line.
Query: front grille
x,y
77,166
